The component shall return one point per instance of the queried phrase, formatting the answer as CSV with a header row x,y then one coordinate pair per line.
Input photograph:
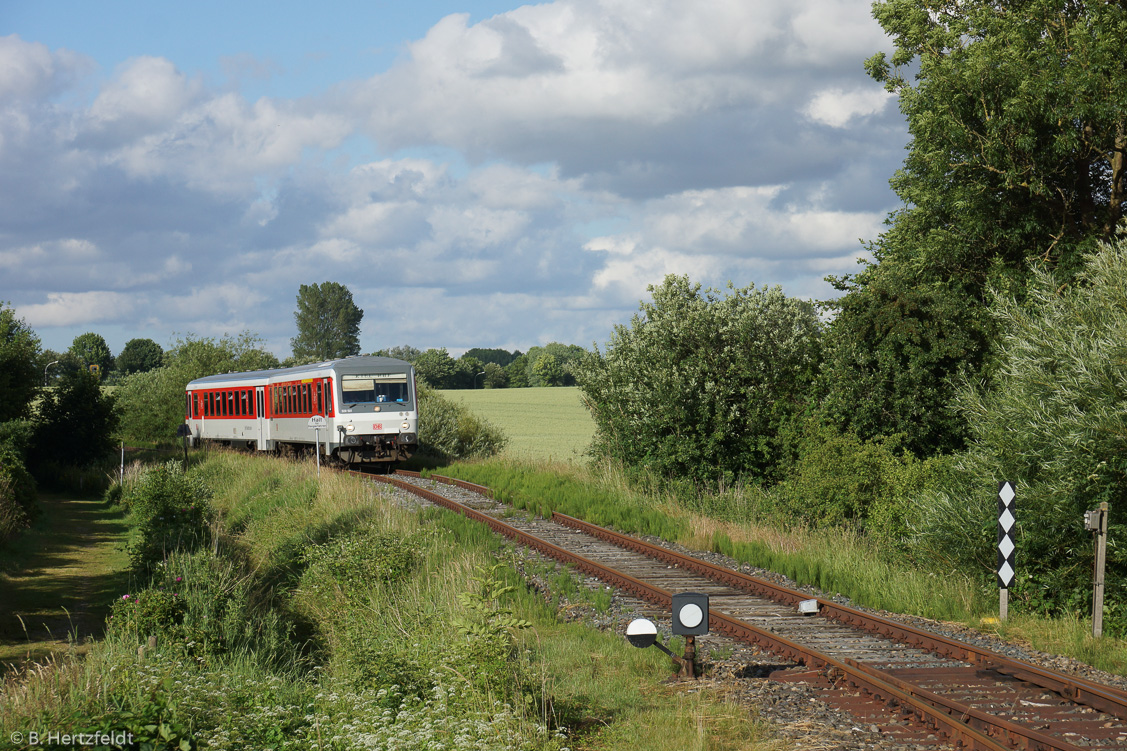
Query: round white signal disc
x,y
691,615
641,627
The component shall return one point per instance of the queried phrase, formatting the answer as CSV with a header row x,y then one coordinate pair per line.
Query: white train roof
x,y
358,365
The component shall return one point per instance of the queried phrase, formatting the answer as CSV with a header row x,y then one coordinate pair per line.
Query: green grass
x,y
541,423
57,580
322,597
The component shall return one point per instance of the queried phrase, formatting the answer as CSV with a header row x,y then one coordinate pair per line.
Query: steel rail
x,y
967,728
1079,690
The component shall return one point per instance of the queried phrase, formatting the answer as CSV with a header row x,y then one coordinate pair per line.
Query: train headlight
x,y
405,426
350,427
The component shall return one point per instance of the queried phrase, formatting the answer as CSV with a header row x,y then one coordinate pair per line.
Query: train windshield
x,y
373,389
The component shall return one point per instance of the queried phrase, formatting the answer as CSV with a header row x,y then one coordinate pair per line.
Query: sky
x,y
477,173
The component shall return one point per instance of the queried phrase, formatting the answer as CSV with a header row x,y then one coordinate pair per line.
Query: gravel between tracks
x,y
739,672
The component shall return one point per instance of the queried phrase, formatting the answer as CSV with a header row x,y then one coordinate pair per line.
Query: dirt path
x,y
57,581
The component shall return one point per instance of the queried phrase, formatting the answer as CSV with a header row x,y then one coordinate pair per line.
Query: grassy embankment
x,y
543,469
323,615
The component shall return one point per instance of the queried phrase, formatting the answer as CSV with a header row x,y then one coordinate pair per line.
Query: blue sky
x,y
478,174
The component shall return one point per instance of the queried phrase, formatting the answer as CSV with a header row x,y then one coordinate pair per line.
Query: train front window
x,y
374,389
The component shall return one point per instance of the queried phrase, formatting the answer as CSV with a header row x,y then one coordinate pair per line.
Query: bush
x,y
171,511
202,606
17,494
1055,422
701,384
449,430
355,562
840,480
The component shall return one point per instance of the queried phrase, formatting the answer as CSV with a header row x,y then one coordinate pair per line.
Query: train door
x,y
260,413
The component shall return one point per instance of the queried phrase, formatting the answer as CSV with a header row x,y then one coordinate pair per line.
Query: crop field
x,y
541,423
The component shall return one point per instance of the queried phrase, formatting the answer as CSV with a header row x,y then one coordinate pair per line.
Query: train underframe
x,y
360,450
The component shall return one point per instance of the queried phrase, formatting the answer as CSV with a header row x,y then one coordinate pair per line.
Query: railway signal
x,y
1007,520
1096,521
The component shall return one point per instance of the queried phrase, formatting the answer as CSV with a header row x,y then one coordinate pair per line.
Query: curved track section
x,y
975,698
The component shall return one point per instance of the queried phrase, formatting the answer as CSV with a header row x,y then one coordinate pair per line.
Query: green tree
x,y
437,368
701,384
91,349
1019,133
1055,422
559,373
78,414
151,403
470,372
402,352
19,371
548,370
517,372
328,322
498,356
496,377
139,356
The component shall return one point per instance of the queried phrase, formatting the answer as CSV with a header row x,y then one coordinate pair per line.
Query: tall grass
x,y
736,522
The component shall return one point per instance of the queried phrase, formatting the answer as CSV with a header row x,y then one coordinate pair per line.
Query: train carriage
x,y
369,404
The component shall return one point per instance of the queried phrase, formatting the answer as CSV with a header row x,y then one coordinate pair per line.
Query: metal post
x,y
1003,604
689,660
317,450
1101,557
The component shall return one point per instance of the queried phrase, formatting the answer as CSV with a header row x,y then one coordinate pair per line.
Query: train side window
x,y
318,399
290,400
306,405
206,409
328,403
258,399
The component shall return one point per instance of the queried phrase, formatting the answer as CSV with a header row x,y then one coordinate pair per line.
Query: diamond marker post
x,y
1007,519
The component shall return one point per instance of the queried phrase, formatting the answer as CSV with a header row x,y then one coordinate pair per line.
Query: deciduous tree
x,y
1054,421
139,356
328,322
19,373
91,349
700,383
1018,151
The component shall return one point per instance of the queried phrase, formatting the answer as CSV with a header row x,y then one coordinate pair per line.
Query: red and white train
x,y
369,406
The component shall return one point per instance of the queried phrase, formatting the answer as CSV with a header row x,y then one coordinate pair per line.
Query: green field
x,y
541,423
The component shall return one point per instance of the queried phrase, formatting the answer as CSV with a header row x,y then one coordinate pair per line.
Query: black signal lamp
x,y
690,614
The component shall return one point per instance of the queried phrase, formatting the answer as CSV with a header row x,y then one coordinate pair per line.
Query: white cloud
x,y
147,94
521,179
837,108
30,71
72,308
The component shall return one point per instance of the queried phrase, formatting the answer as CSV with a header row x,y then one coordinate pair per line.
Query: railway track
x,y
913,684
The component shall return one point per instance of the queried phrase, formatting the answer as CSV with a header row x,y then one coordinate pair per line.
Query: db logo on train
x,y
377,426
